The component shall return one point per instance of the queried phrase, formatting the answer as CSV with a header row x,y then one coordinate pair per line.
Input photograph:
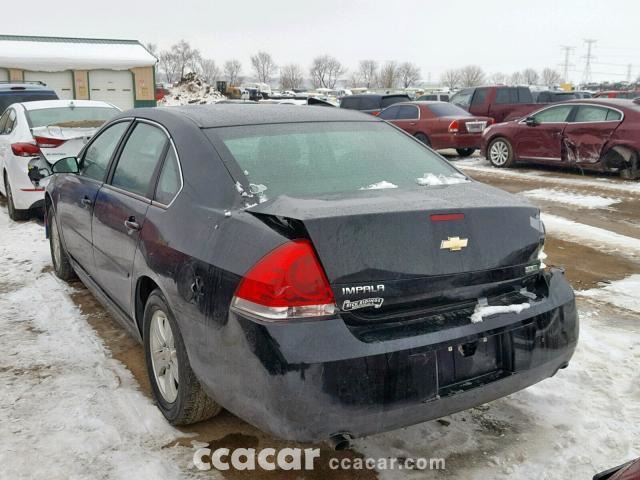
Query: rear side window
x,y
96,158
3,122
591,114
428,97
139,158
350,103
408,112
370,103
386,101
479,97
613,116
444,98
169,182
11,122
506,95
524,95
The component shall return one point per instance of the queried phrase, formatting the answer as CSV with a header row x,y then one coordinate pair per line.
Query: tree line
x,y
325,71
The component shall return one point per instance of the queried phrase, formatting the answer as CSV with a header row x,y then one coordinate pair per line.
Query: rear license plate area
x,y
467,365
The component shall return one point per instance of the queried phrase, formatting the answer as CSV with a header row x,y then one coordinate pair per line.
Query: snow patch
x,y
483,310
621,293
379,186
593,237
430,179
571,198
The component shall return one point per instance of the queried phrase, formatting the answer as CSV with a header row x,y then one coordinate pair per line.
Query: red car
x,y
439,125
631,94
628,471
595,134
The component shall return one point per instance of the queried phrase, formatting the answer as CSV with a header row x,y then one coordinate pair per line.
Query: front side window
x,y
139,158
350,103
554,114
591,114
390,113
96,159
463,98
503,95
524,95
480,97
328,158
169,182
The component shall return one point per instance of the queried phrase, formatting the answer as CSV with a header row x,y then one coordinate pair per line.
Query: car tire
x,y
61,263
181,400
465,152
423,138
14,213
500,153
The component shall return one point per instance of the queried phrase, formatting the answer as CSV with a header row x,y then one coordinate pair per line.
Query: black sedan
x,y
315,271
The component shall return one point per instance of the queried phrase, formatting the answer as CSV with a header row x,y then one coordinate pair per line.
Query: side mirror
x,y
531,121
66,165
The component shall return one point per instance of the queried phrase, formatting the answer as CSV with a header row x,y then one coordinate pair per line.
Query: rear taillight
x,y
287,283
44,142
25,149
375,114
454,126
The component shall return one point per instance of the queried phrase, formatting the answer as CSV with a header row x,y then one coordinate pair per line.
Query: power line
x,y
589,58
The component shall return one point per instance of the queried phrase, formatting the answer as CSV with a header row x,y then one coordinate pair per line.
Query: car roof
x,y
607,102
379,95
23,87
226,115
42,104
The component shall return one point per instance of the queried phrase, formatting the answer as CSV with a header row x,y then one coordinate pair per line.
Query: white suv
x,y
36,135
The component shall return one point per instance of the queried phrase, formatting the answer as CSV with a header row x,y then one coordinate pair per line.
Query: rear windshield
x,y
446,110
9,98
71,117
308,159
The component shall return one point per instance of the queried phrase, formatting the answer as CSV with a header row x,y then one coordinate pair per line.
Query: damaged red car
x,y
595,134
440,125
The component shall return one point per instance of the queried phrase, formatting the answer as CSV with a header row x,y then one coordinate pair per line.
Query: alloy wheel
x,y
164,359
499,153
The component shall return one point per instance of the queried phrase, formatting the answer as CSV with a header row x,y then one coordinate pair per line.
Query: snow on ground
x,y
67,409
571,198
481,164
591,236
623,293
582,421
193,90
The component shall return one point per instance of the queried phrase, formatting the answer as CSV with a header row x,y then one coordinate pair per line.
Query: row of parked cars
x,y
508,126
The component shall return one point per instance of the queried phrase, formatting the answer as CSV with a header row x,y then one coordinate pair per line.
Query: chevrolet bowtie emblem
x,y
454,244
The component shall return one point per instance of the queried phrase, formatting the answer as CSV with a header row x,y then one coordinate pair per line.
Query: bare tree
x,y
168,64
209,70
291,77
368,72
498,78
551,76
388,76
153,49
408,74
232,69
263,66
530,76
185,56
355,80
451,78
471,76
325,71
516,78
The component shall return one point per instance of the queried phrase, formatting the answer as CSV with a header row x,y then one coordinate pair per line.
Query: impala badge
x,y
454,244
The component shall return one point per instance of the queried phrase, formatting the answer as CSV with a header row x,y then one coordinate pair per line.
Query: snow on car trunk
x,y
67,408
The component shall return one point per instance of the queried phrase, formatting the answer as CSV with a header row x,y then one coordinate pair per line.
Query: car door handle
x,y
131,224
412,123
86,201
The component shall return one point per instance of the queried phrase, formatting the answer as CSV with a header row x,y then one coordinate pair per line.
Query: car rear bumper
x,y
311,380
25,194
457,140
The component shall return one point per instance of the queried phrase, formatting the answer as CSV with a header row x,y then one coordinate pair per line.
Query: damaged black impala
x,y
315,271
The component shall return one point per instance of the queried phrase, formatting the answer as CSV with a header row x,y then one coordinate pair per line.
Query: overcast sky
x,y
499,35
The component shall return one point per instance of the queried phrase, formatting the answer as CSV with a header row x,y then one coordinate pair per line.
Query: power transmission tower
x,y
589,58
566,64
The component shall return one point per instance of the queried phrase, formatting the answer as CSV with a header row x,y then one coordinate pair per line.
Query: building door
x,y
60,82
113,86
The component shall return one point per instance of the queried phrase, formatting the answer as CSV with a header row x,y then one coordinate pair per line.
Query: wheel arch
x,y
144,286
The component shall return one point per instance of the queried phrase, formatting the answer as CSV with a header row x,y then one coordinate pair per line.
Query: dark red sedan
x,y
595,134
439,124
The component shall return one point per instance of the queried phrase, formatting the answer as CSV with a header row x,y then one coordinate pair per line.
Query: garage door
x,y
61,82
4,75
112,86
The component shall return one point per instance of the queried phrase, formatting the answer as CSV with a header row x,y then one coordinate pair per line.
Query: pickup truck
x,y
498,102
